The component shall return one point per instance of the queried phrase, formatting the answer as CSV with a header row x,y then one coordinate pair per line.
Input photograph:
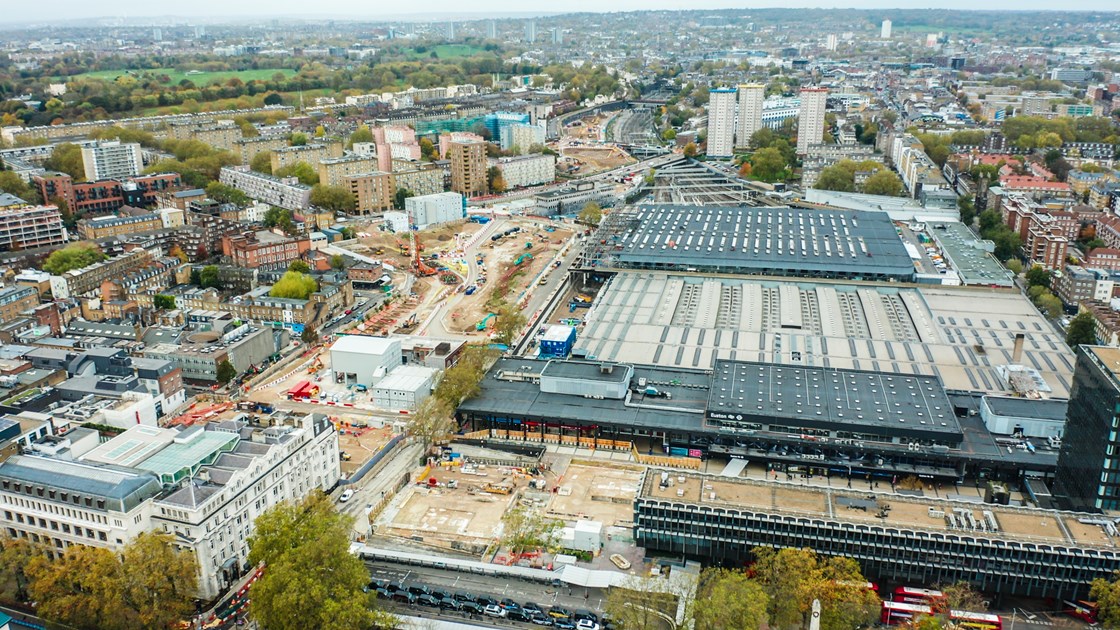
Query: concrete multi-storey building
x,y
721,123
751,97
522,136
310,154
810,120
222,135
468,168
423,179
1088,474
26,226
334,171
373,192
435,209
527,170
282,192
112,160
1076,284
205,485
248,148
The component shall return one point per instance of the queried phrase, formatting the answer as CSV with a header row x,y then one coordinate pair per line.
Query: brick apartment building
x,y
373,192
107,195
130,221
263,249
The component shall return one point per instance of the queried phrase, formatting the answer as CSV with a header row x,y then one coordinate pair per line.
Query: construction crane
x,y
418,264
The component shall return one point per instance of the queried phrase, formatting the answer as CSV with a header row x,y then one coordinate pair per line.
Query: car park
x,y
470,607
532,608
404,597
557,612
541,620
427,600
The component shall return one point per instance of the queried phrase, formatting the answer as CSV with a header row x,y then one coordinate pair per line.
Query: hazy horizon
x,y
212,10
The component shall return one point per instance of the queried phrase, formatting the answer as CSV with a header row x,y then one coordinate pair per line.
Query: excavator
x,y
418,264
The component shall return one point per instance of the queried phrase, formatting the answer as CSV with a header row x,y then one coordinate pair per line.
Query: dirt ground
x,y
589,129
361,444
599,492
496,254
444,516
595,159
439,240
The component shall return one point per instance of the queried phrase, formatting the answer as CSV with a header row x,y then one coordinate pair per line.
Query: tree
x,y
333,198
208,277
762,138
294,285
67,158
224,193
959,596
281,218
14,185
16,555
81,589
967,209
159,580
669,134
883,182
495,180
297,139
73,256
302,171
1107,596
640,603
835,178
312,581
591,214
793,578
1038,276
428,150
299,266
400,196
433,420
309,335
262,162
524,529
509,322
1014,265
768,164
226,372
690,149
1082,330
1050,304
337,262
273,99
362,134
729,599
163,302
462,381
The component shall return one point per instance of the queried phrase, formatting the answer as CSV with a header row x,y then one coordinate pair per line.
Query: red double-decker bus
x,y
914,595
895,613
1083,610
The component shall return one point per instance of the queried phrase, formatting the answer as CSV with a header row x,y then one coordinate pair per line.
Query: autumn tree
x,y
361,134
304,172
591,214
1106,593
726,599
71,257
462,381
496,182
959,596
159,581
431,421
524,529
690,149
793,578
333,198
262,162
312,581
883,182
16,555
641,603
67,158
510,320
768,164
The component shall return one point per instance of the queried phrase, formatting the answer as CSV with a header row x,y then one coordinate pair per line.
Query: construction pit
x,y
581,161
359,440
598,492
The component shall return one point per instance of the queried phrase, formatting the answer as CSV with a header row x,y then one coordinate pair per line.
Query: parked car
x,y
418,589
463,596
518,614
587,624
580,615
495,610
541,620
346,495
563,624
509,604
557,612
448,603
532,608
485,601
427,600
404,597
470,607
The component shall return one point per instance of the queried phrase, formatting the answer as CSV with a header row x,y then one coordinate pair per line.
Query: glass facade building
x,y
1088,474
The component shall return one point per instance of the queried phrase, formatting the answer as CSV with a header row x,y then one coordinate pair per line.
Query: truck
x,y
474,218
653,392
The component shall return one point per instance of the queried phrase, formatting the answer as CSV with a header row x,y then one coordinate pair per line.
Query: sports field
x,y
197,77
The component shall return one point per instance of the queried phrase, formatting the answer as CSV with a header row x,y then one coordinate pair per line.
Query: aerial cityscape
x,y
607,317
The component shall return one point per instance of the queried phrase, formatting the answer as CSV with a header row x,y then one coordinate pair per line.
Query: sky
x,y
211,10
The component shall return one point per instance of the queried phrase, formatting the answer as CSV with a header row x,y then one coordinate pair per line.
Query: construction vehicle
x,y
474,218
522,258
485,320
409,323
529,245
403,247
379,251
418,265
498,488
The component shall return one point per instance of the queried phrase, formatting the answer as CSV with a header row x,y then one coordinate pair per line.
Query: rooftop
x,y
191,449
777,241
1108,357
586,370
119,489
364,344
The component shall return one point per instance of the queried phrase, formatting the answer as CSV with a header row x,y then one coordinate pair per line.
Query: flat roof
x,y
407,378
193,447
124,488
967,254
916,513
1044,409
364,344
586,370
838,397
1108,357
690,321
133,446
764,240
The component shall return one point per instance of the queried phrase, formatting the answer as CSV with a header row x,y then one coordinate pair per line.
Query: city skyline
x,y
441,9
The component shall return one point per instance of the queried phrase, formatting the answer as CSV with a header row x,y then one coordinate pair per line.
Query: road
x,y
573,599
373,488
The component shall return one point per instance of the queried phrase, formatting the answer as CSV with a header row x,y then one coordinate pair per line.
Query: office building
x,y
751,99
435,209
810,120
112,160
25,227
721,123
1088,475
282,192
530,32
469,168
885,31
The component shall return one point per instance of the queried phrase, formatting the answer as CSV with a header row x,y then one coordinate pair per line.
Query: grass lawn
x,y
447,51
199,78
